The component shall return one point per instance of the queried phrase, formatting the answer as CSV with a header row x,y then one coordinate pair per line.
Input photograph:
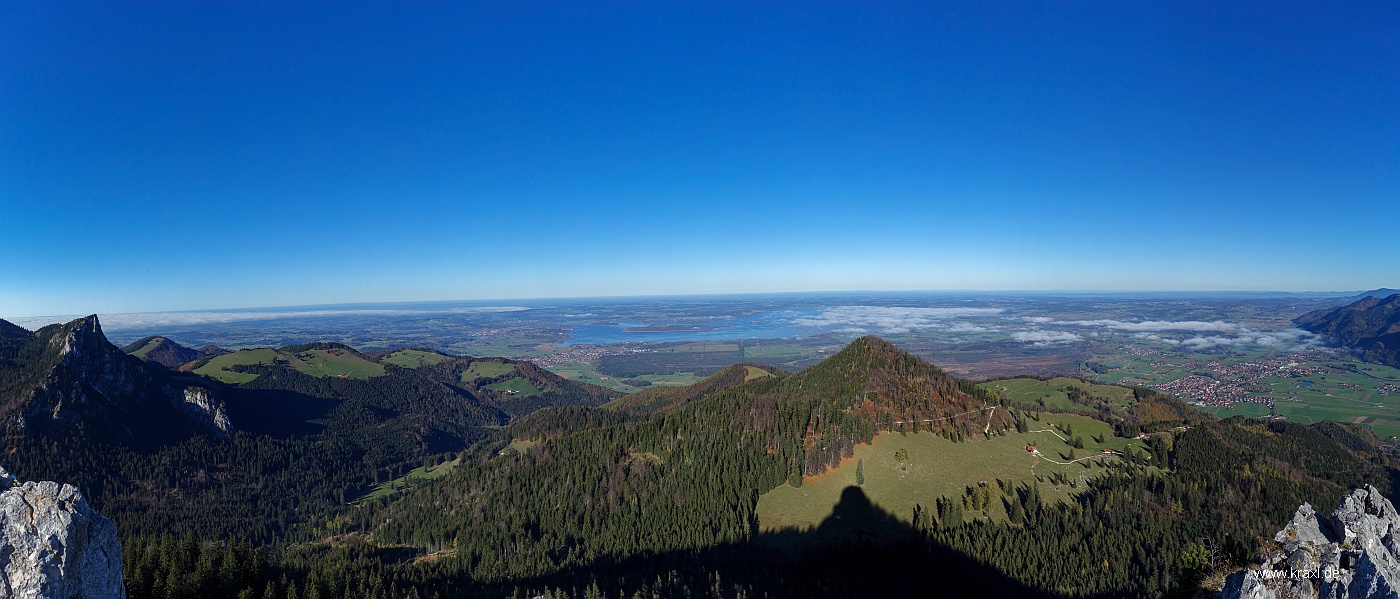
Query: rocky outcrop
x,y
54,546
1354,553
89,377
201,405
78,380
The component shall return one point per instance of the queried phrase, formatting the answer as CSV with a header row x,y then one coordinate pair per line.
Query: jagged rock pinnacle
x,y
1353,554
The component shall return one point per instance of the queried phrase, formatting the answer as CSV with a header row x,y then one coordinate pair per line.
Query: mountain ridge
x,y
70,377
167,352
1370,326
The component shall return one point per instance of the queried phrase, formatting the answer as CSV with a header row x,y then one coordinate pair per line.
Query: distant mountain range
x,y
1370,326
1382,292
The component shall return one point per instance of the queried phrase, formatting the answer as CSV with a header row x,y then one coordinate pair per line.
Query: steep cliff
x,y
54,546
69,377
1354,553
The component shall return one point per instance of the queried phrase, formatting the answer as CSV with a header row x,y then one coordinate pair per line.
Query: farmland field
x,y
587,373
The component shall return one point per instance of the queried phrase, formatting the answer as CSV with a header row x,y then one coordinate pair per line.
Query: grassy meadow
x,y
1052,393
424,473
318,362
587,373
516,385
939,467
485,370
414,358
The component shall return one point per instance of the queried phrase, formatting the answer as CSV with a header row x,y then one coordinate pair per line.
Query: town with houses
x,y
1220,384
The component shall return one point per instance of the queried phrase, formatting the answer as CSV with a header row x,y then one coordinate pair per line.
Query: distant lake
x,y
774,325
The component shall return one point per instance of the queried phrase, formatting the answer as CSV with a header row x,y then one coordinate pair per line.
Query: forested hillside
x,y
656,495
1370,326
297,445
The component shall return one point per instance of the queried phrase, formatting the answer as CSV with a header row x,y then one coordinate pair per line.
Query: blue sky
x,y
186,155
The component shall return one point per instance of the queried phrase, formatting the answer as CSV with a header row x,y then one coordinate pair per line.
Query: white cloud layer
x,y
1196,326
894,320
1207,334
1271,339
1045,337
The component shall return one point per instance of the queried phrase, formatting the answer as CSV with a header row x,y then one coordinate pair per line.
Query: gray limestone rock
x,y
1350,555
54,546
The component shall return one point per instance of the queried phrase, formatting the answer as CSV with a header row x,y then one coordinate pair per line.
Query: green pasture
x,y
516,385
336,362
1053,392
485,370
520,446
586,373
319,363
754,372
146,348
938,467
414,358
217,367
417,475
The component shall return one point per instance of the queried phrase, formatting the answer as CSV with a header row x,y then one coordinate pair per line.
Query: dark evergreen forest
x,y
657,498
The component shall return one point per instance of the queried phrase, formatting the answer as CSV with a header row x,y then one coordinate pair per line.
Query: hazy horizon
x,y
475,305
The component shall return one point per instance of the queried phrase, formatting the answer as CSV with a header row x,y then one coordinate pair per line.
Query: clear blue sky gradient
x,y
184,155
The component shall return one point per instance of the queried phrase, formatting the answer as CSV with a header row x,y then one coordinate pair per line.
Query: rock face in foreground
x,y
1354,553
54,546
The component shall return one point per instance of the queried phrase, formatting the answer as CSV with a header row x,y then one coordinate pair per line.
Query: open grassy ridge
x,y
321,360
342,362
218,367
485,369
163,351
414,358
1055,393
144,346
936,467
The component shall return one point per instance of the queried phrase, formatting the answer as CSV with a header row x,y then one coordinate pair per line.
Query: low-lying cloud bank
x,y
1207,334
1045,337
1271,339
895,320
